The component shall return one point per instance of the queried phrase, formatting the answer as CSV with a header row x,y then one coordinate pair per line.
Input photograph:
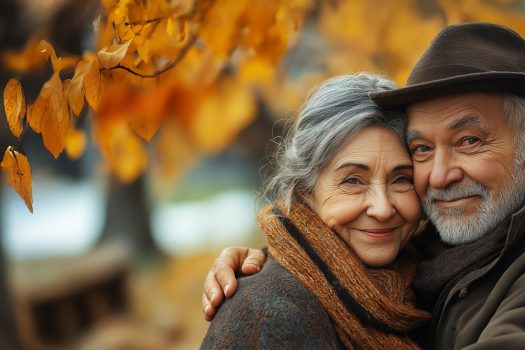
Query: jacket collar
x,y
516,228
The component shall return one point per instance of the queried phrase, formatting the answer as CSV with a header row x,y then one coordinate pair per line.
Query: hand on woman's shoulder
x,y
271,310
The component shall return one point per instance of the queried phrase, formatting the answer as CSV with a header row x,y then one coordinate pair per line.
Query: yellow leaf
x,y
143,125
75,98
75,143
122,150
173,152
108,4
93,83
130,158
64,63
49,115
47,50
144,49
28,59
170,27
19,175
223,25
14,105
111,56
65,88
58,63
221,116
147,112
257,69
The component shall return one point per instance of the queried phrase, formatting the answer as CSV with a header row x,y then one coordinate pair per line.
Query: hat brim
x,y
511,82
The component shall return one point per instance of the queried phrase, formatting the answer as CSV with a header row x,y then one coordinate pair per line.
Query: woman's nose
x,y
379,205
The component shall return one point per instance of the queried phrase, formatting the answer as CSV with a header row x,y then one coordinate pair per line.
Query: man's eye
x,y
471,140
420,149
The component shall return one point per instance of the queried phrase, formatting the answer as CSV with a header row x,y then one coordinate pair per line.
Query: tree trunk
x,y
10,35
128,217
9,337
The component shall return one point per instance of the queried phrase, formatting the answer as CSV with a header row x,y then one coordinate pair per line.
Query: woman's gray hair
x,y
330,116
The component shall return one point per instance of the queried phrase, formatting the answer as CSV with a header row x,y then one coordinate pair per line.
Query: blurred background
x,y
163,158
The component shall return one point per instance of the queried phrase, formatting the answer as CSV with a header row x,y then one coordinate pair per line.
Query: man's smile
x,y
454,203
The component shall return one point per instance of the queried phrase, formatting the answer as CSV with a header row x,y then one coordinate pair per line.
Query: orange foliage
x,y
75,143
376,35
29,59
227,107
191,68
111,56
49,115
58,63
19,175
173,151
92,81
14,105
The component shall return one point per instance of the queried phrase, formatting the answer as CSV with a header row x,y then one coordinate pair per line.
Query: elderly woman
x,y
342,206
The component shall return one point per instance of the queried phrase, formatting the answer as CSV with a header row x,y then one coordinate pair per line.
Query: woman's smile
x,y
376,232
377,235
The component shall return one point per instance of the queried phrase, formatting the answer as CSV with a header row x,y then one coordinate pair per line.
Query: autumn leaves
x,y
14,106
16,164
52,112
187,70
49,115
19,175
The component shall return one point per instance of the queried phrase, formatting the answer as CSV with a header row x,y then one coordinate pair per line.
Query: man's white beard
x,y
455,227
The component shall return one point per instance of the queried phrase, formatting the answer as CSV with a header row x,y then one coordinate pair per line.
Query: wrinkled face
x,y
465,170
366,195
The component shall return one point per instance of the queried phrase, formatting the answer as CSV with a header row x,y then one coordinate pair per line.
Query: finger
x,y
224,267
213,290
225,276
254,261
207,309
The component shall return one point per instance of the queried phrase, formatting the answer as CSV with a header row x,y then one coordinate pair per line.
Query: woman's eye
x,y
404,180
402,183
352,181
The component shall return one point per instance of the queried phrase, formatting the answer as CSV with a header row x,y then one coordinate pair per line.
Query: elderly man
x,y
466,135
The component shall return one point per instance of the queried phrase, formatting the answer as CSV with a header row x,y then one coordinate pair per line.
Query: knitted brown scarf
x,y
370,308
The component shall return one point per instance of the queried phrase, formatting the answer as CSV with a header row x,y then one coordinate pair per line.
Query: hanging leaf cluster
x,y
189,66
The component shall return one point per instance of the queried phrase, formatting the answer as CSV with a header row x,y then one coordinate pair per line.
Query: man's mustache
x,y
456,191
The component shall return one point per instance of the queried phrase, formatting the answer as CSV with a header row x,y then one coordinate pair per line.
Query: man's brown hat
x,y
464,58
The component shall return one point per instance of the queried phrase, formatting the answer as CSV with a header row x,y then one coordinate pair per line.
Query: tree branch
x,y
144,22
179,58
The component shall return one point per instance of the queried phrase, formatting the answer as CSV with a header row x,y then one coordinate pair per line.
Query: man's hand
x,y
221,280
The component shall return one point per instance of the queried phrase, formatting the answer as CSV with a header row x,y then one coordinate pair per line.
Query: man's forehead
x,y
444,108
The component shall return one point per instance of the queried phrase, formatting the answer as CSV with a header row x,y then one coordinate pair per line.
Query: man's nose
x,y
379,204
445,170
